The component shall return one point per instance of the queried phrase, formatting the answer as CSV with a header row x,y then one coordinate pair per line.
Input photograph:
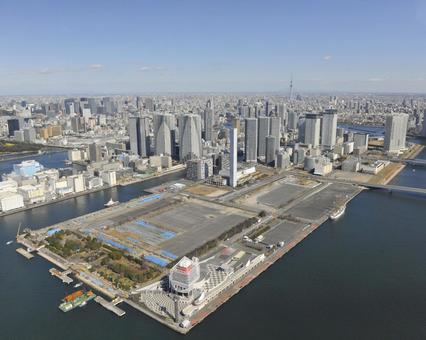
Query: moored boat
x,y
338,213
76,299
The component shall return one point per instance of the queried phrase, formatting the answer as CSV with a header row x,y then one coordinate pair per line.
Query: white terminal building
x,y
184,276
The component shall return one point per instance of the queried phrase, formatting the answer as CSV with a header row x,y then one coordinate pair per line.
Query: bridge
x,y
391,188
419,162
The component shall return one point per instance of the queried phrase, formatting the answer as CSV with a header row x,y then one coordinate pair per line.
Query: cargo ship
x,y
76,299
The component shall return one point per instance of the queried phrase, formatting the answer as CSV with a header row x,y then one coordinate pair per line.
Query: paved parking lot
x,y
323,202
282,195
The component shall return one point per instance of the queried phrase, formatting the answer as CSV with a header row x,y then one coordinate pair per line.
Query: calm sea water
x,y
361,277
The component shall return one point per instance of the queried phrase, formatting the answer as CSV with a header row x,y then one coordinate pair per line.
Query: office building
x,y
361,142
149,104
14,124
275,130
263,124
271,150
199,169
208,124
312,129
189,137
94,153
293,119
139,136
250,140
395,132
163,125
329,128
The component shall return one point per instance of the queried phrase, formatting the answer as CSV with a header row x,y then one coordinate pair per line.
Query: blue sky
x,y
61,47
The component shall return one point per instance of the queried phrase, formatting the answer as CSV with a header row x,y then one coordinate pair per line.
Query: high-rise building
x,y
250,140
233,157
189,137
263,131
94,153
275,130
395,132
271,150
109,106
293,119
139,135
70,107
312,129
424,124
361,141
75,124
329,127
149,104
93,105
163,125
208,124
13,124
282,113
139,102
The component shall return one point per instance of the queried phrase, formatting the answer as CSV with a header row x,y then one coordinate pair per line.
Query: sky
x,y
105,46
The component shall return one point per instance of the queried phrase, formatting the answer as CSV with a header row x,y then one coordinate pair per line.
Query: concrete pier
x,y
62,275
25,253
111,306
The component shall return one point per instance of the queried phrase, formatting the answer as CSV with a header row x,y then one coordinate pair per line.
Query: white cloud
x,y
144,68
96,66
375,79
45,70
327,57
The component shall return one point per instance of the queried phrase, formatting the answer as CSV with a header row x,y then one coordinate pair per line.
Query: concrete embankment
x,y
60,199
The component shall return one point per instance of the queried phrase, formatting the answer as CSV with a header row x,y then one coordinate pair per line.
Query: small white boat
x,y
338,213
111,203
78,284
9,242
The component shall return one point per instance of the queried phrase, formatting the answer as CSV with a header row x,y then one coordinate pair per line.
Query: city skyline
x,y
212,47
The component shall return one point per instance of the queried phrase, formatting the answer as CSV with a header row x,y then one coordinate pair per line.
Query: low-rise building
x,y
10,201
32,193
109,177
